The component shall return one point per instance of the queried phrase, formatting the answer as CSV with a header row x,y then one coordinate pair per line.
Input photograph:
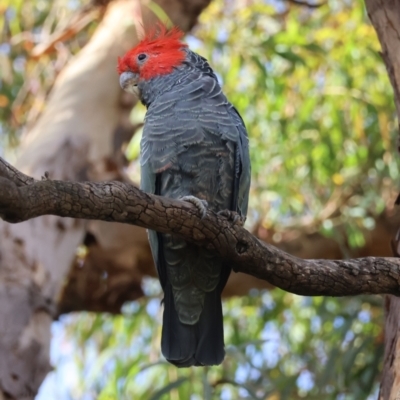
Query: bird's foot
x,y
233,217
200,204
46,176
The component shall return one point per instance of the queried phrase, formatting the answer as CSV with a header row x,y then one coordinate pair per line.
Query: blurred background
x,y
313,91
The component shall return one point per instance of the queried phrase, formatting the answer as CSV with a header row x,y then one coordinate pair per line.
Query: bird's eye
x,y
141,57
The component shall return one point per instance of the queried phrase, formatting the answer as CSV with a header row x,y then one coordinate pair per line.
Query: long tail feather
x,y
199,344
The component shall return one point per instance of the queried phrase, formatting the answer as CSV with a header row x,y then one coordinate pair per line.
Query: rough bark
x,y
121,202
385,17
74,139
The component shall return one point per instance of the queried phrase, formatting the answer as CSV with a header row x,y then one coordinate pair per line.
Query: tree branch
x,y
23,198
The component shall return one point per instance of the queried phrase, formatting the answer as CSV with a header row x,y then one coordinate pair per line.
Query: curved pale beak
x,y
128,81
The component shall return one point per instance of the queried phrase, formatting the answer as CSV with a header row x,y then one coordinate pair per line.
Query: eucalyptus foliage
x,y
315,95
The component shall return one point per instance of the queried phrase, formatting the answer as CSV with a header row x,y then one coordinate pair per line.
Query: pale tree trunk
x,y
73,140
385,16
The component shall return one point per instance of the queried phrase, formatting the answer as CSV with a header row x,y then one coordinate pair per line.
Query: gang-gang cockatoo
x,y
195,148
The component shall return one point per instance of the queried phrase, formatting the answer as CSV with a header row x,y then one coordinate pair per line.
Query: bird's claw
x,y
233,217
46,176
200,204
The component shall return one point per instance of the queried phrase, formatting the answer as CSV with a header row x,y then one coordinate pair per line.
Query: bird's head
x,y
157,54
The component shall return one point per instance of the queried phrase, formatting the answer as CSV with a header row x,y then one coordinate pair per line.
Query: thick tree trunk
x,y
385,16
74,139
